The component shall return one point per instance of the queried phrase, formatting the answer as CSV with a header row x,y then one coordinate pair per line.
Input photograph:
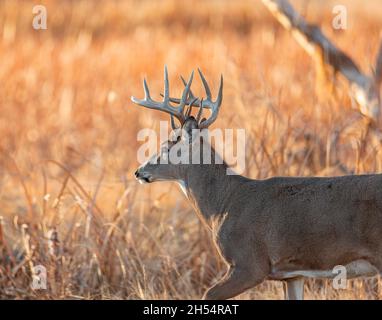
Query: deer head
x,y
162,166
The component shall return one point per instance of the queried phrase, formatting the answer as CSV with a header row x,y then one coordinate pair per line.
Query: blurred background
x,y
68,197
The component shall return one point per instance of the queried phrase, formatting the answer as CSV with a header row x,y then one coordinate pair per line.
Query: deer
x,y
280,228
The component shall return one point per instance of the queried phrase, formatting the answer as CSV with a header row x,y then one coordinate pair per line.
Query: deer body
x,y
285,228
282,228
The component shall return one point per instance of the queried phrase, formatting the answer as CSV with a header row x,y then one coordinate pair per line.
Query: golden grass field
x,y
68,197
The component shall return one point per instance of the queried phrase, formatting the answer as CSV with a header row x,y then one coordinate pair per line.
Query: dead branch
x,y
363,88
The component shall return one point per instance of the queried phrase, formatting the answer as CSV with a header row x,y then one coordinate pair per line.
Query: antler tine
x,y
173,125
190,108
146,89
205,104
215,106
200,112
184,100
166,97
192,99
191,95
188,112
164,106
205,84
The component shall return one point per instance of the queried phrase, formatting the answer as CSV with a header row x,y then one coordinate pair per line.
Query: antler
x,y
215,106
165,106
187,98
205,104
311,38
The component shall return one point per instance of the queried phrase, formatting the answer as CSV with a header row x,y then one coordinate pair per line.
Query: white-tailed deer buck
x,y
283,228
331,62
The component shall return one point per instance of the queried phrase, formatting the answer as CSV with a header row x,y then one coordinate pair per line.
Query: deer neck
x,y
208,188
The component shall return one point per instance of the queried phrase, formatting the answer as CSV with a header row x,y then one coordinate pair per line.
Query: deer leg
x,y
294,289
236,281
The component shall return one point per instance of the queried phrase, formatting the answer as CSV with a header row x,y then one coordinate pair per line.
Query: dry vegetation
x,y
68,143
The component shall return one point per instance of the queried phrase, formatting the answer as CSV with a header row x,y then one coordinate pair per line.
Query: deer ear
x,y
378,65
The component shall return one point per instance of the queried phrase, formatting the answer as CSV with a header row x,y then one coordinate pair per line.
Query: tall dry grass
x,y
68,144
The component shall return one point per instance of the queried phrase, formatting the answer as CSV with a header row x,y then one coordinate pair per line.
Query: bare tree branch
x,y
363,88
378,65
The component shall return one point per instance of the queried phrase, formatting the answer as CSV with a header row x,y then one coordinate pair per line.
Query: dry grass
x,y
68,144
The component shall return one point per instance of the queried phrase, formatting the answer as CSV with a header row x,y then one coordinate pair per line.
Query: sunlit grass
x,y
68,199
